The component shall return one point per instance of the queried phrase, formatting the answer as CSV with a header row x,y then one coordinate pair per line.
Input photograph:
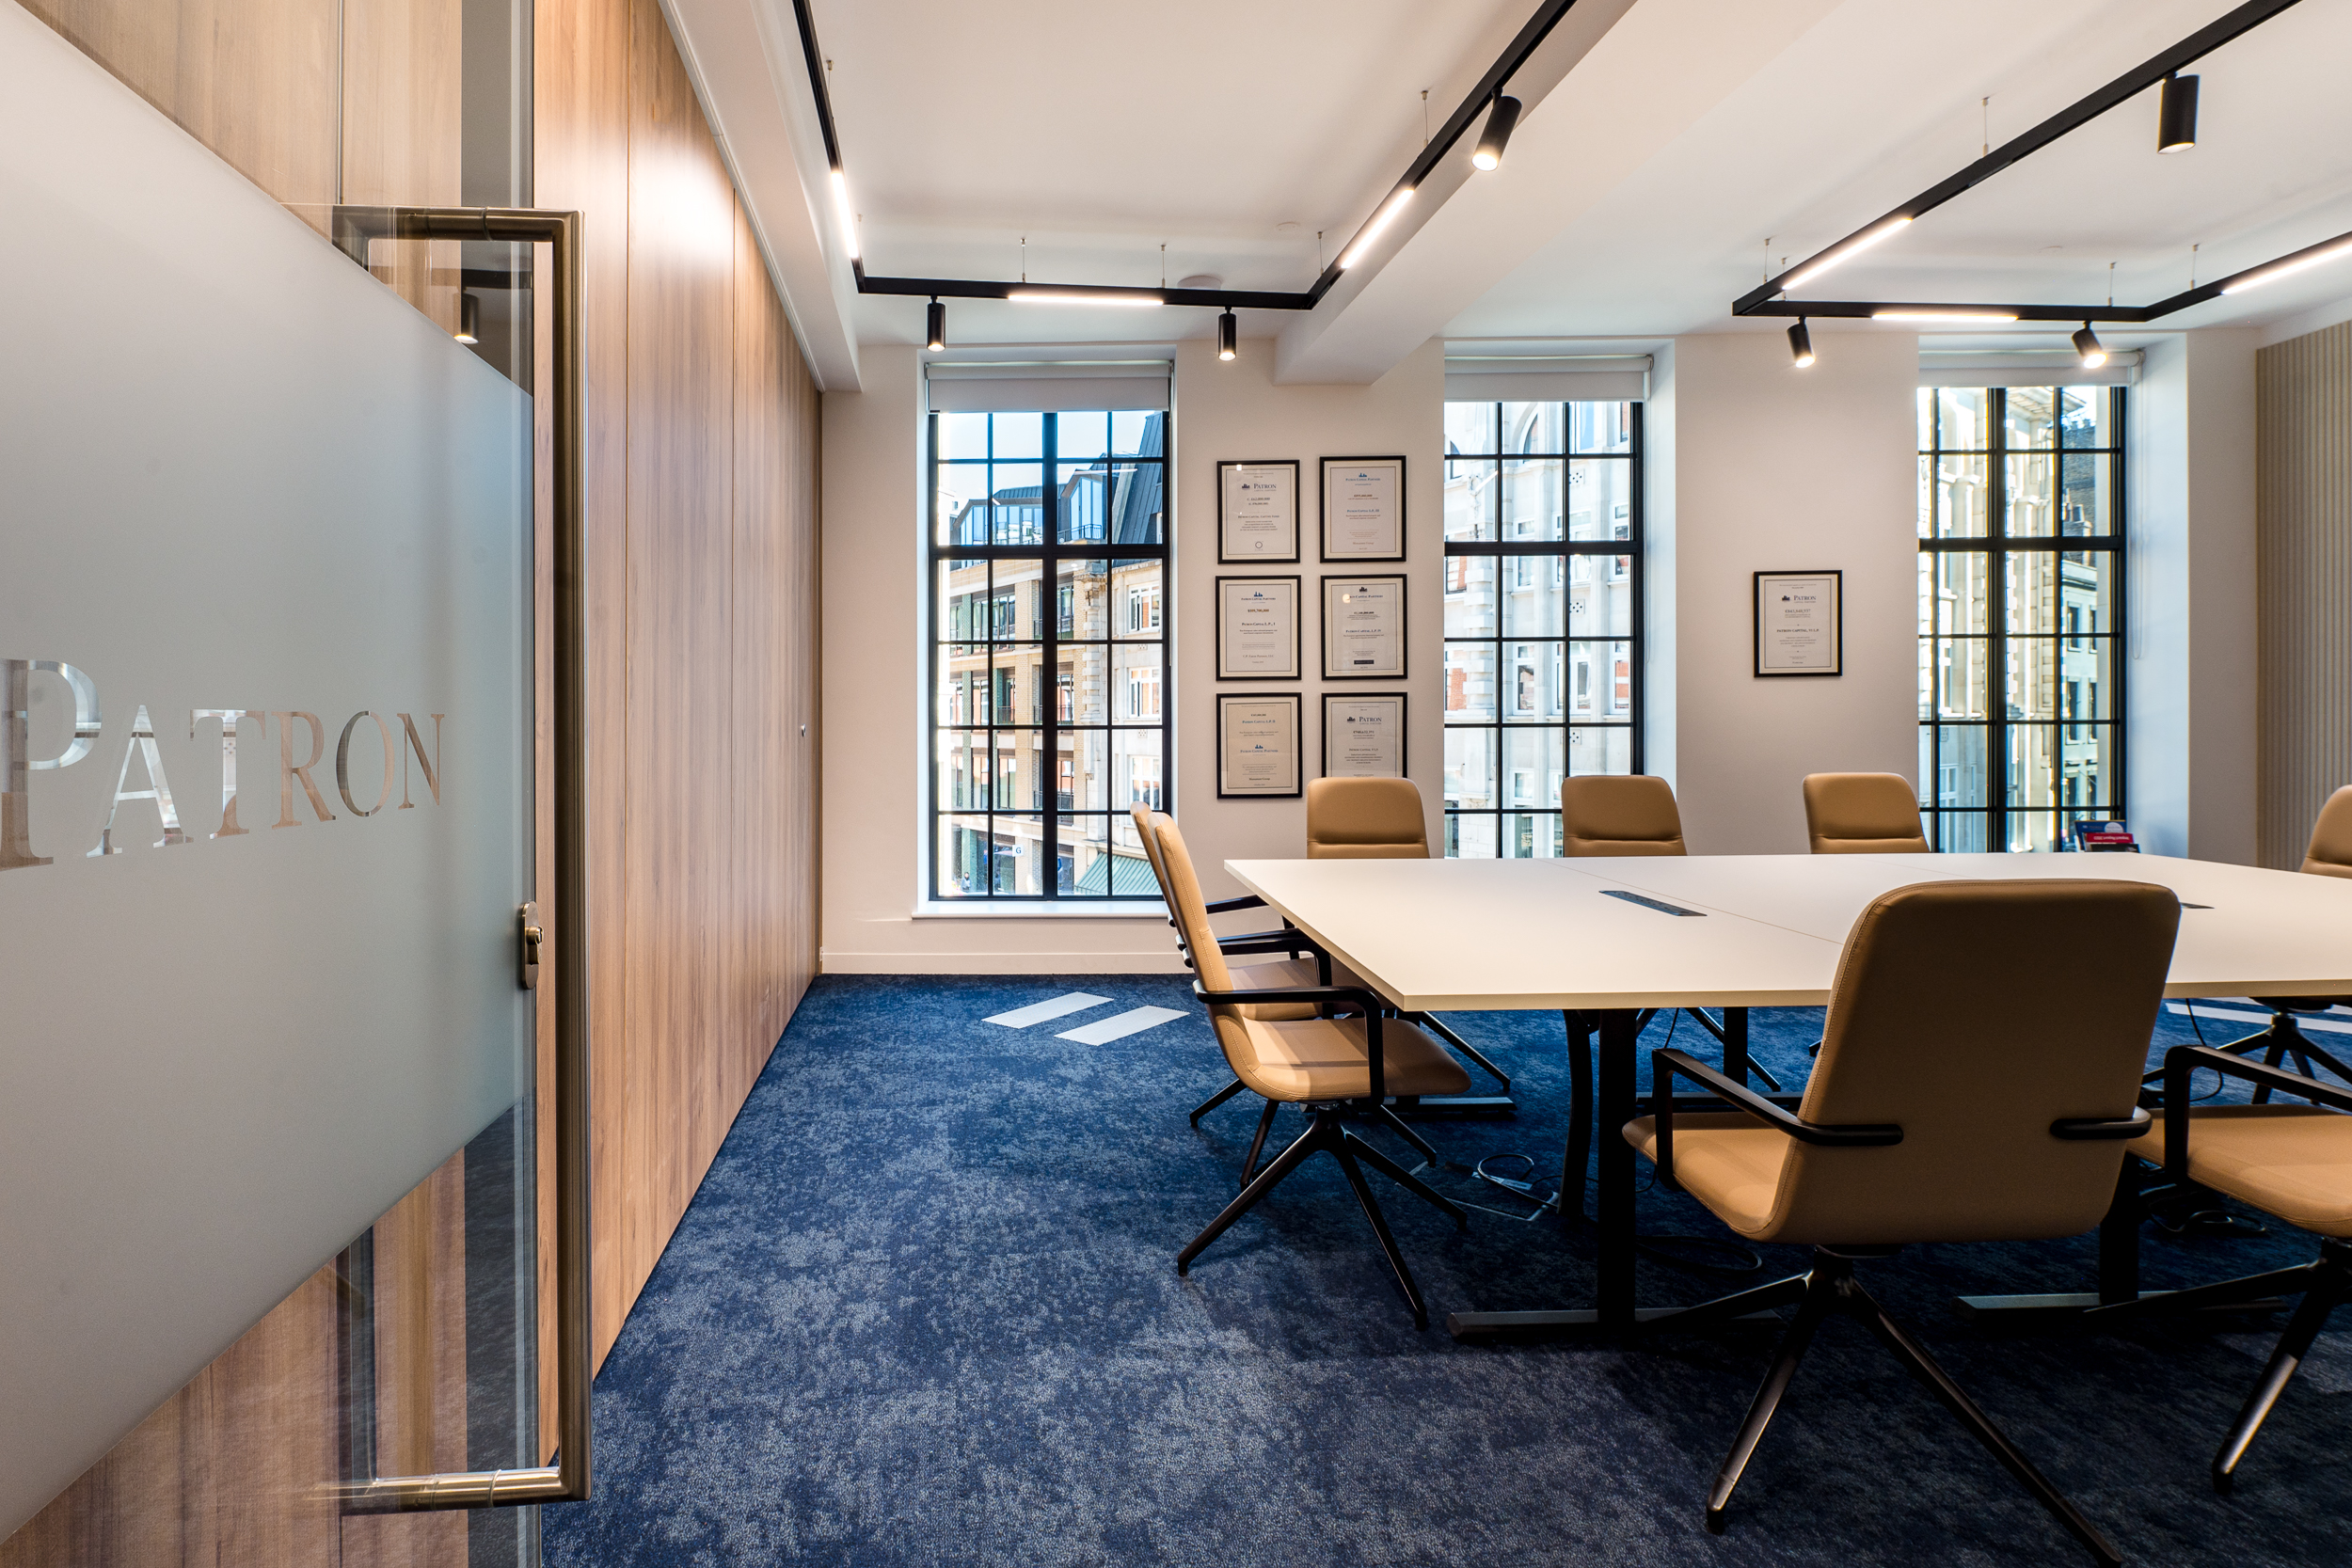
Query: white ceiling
x,y
1659,151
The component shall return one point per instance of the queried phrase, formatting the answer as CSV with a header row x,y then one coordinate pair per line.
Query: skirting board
x,y
1157,961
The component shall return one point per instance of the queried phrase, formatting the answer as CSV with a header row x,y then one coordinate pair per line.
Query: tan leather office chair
x,y
1615,814
2330,854
1977,1080
1291,970
1863,813
1365,819
2292,1161
1332,1067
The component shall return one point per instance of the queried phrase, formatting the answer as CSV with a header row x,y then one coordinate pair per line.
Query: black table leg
x,y
2119,1267
1619,1029
1578,1029
1736,1045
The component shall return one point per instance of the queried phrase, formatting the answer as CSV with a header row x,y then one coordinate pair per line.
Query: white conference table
x,y
1734,931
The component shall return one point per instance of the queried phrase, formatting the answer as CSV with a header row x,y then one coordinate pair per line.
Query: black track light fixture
x,y
1504,115
935,326
1800,345
2176,115
468,318
2086,343
1227,334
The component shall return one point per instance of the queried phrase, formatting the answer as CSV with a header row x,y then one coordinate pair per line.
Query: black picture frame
x,y
1403,732
1765,582
1322,502
1297,783
1403,634
1225,560
1298,616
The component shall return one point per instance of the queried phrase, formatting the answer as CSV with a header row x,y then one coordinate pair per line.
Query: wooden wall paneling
x,y
418,1301
762,760
402,134
580,98
254,80
680,485
2303,531
797,631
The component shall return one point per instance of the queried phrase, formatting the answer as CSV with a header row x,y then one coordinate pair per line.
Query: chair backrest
x,y
1974,1014
1863,813
1192,925
1611,814
1365,819
2330,852
1143,816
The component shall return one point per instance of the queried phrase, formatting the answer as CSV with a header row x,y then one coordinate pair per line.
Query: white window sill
x,y
1056,909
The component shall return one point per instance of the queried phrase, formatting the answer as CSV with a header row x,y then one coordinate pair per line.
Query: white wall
x,y
2191,675
1759,467
874,762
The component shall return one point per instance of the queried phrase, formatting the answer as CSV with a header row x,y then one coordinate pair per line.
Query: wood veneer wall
x,y
702,588
2303,529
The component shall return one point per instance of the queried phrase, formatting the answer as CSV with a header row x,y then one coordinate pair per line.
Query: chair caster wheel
x,y
1714,1521
2224,1480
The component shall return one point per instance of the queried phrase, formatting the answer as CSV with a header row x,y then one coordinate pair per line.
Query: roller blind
x,y
1579,378
1050,386
2026,368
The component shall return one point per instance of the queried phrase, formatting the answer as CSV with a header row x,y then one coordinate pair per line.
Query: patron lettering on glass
x,y
18,763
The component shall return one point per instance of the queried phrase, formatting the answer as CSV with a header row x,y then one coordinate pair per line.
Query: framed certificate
x,y
1363,509
1257,747
1257,511
1363,629
1257,629
1364,734
1799,624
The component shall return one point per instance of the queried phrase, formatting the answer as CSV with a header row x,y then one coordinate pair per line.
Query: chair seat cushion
x,y
1728,1162
1326,1058
2292,1161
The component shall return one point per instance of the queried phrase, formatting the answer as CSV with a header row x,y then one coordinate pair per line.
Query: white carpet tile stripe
x,y
1119,1026
2327,1023
1039,1012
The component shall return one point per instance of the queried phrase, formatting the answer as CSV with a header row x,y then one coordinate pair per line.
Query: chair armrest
x,y
1247,902
2182,1060
1355,996
2102,1129
1666,1066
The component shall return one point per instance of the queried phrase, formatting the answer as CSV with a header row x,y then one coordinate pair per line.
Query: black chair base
x,y
2325,1283
1328,1134
2279,1042
1829,1286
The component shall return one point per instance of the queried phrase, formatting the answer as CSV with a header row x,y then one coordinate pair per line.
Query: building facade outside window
x,y
1048,572
1543,594
2021,613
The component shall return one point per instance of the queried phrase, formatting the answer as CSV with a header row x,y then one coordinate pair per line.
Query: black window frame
x,y
1942,822
1633,547
1058,742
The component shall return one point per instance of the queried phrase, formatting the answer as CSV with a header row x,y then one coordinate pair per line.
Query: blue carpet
x,y
925,1311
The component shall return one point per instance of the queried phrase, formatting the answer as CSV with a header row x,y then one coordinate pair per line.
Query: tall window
x,y
2020,607
1543,595
1049,564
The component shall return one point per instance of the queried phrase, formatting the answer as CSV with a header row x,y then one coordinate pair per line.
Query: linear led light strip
x,y
1851,248
2326,250
1373,231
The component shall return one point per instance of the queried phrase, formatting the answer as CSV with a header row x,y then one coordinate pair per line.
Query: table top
x,y
1498,934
